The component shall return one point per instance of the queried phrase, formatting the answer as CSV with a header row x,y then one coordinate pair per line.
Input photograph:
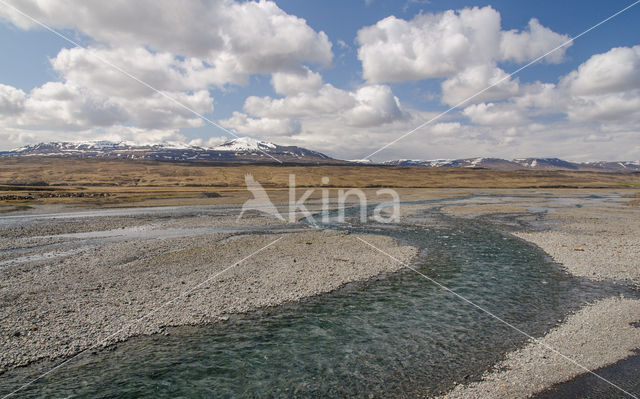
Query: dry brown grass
x,y
127,180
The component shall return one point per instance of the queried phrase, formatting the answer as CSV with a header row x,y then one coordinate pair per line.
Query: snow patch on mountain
x,y
245,144
243,149
475,162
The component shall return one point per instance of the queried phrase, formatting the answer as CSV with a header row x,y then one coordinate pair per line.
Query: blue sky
x,y
347,100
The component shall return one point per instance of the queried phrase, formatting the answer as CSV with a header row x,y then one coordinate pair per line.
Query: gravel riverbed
x,y
595,240
78,283
100,288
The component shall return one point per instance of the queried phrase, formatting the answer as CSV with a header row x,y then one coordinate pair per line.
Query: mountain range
x,y
243,149
523,163
246,149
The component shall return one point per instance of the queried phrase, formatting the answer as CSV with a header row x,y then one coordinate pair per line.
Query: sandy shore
x,y
58,306
598,241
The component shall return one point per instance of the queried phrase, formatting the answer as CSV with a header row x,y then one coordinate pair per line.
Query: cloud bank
x,y
191,51
185,50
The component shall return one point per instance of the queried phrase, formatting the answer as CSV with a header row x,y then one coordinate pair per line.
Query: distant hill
x,y
246,149
522,163
238,150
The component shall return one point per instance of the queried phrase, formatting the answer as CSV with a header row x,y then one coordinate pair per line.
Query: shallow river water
x,y
398,335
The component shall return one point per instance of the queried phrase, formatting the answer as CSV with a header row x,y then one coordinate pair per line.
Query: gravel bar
x,y
56,307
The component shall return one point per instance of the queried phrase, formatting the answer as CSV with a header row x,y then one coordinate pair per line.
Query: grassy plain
x,y
48,180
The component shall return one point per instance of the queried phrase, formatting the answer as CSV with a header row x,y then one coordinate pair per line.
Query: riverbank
x,y
106,267
598,241
93,284
601,243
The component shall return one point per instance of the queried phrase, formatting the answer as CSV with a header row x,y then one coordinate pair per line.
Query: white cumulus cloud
x,y
239,37
532,43
294,82
473,83
261,127
462,47
444,44
183,49
11,100
614,71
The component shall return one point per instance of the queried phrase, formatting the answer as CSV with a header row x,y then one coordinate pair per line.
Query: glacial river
x,y
398,335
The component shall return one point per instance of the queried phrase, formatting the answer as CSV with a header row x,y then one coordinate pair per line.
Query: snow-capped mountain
x,y
80,147
629,166
245,144
239,150
546,163
521,163
484,163
247,149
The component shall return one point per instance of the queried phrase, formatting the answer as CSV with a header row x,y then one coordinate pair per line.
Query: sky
x,y
353,79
